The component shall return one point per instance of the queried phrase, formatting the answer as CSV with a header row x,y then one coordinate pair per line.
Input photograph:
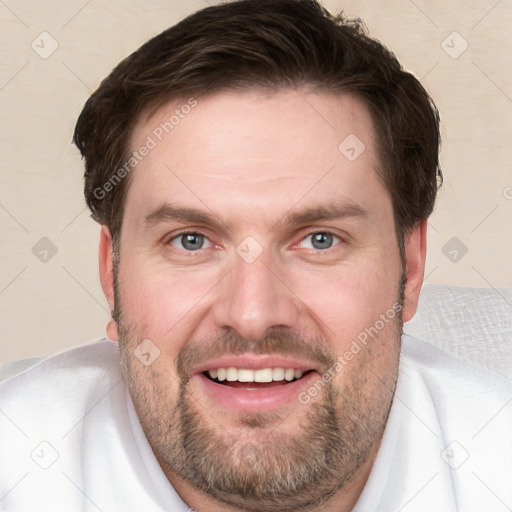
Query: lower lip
x,y
255,400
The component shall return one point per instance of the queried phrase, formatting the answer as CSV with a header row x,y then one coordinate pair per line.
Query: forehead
x,y
256,151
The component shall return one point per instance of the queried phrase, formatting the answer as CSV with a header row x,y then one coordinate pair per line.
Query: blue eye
x,y
321,240
190,241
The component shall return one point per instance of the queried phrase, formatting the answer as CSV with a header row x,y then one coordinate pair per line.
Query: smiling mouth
x,y
254,379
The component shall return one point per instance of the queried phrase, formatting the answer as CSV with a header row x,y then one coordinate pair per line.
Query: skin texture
x,y
252,160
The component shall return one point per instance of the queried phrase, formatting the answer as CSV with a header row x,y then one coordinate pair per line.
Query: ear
x,y
415,254
107,277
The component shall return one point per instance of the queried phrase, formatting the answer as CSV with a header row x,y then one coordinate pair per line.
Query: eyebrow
x,y
167,212
335,211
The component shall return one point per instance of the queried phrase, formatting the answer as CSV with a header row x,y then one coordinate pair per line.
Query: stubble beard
x,y
258,467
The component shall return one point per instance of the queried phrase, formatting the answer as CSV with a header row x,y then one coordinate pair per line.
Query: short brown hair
x,y
271,44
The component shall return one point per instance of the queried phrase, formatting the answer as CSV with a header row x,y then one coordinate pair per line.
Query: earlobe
x,y
106,268
415,254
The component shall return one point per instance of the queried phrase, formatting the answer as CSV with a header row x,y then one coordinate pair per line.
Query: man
x,y
262,173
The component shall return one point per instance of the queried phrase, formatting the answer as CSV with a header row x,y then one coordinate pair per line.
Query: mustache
x,y
281,341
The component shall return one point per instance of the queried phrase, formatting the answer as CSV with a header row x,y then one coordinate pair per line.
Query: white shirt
x,y
70,439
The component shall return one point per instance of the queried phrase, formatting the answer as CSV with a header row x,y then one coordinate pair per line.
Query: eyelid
x,y
187,231
324,231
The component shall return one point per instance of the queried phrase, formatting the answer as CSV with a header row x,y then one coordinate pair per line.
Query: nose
x,y
253,298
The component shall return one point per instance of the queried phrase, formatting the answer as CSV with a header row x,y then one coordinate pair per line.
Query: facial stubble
x,y
257,467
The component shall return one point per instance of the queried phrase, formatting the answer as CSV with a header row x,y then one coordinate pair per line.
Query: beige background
x,y
48,306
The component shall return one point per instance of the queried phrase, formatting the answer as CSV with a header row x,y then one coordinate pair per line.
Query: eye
x,y
190,242
320,240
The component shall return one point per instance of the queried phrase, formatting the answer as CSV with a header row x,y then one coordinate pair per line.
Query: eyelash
x,y
323,232
311,233
184,233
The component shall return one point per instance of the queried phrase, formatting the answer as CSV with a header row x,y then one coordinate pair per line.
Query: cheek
x,y
159,301
350,300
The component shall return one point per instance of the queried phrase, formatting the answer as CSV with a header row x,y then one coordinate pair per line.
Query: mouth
x,y
254,383
252,380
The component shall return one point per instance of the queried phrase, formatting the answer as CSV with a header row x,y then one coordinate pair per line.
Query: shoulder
x,y
66,433
59,386
470,402
455,376
465,412
95,357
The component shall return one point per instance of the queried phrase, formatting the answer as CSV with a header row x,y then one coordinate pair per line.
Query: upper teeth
x,y
264,375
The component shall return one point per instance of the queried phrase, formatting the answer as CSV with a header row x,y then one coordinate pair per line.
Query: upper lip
x,y
254,362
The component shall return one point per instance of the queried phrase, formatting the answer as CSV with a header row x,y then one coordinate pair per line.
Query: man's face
x,y
253,242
